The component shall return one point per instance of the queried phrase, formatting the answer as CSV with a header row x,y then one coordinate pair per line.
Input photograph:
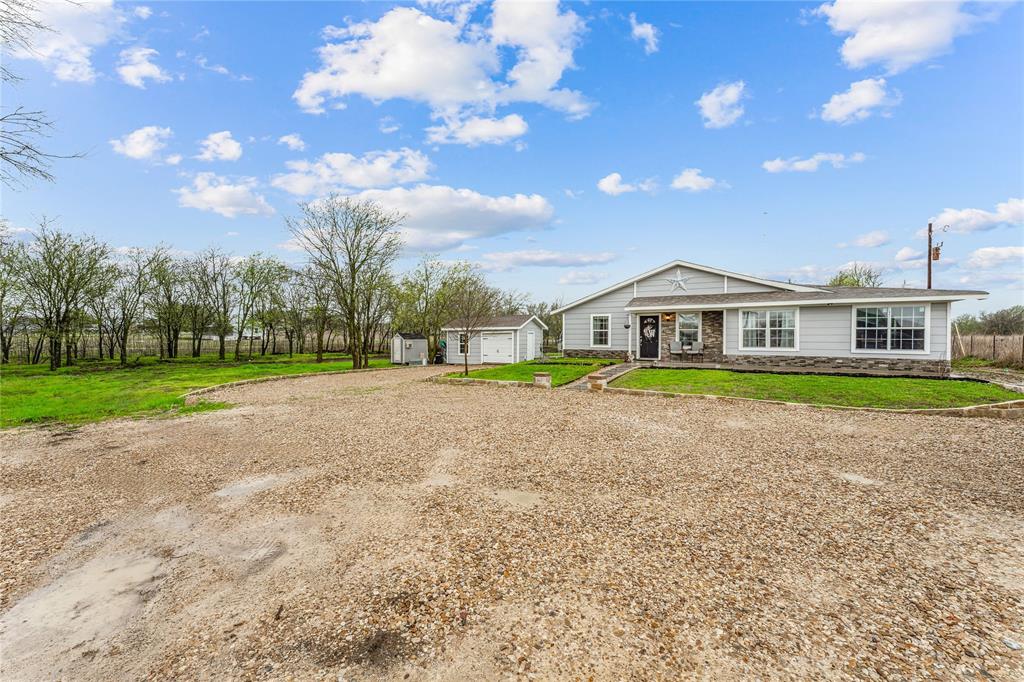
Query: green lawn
x,y
563,370
819,389
96,390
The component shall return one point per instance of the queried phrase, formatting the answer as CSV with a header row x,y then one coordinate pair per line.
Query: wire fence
x,y
1001,347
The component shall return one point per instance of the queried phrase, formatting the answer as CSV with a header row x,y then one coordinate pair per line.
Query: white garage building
x,y
502,340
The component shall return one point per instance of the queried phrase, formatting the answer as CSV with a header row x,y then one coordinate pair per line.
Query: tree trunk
x,y
220,351
465,361
320,344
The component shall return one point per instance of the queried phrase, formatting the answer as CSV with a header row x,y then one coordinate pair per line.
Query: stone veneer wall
x,y
711,334
822,363
604,354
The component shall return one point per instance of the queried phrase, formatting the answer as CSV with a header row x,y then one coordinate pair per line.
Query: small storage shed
x,y
501,340
408,348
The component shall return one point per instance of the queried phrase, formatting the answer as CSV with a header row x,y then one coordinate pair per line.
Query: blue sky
x,y
563,146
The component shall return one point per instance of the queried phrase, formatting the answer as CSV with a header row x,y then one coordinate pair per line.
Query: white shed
x,y
408,348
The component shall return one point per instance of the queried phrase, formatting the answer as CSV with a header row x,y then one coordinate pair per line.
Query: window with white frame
x,y
893,328
600,330
768,329
688,329
463,344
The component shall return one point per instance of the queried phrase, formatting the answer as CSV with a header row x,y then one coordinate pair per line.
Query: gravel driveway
x,y
376,526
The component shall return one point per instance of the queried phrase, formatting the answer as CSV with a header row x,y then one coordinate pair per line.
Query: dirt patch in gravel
x,y
377,526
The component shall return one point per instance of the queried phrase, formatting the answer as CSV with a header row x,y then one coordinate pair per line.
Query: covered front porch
x,y
677,337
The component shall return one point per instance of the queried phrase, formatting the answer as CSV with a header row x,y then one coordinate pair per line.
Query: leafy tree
x,y
1005,321
857,275
472,302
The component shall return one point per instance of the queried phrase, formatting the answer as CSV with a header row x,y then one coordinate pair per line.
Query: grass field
x,y
563,370
95,390
897,393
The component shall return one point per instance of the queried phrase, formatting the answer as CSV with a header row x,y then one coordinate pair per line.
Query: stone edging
x,y
485,382
192,397
1011,409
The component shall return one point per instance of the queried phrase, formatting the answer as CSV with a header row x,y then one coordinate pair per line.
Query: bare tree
x,y
21,128
254,277
473,303
320,297
353,244
197,309
295,313
13,299
58,273
857,275
217,282
134,284
167,301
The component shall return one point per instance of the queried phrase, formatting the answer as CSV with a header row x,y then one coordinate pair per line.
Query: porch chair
x,y
696,349
675,348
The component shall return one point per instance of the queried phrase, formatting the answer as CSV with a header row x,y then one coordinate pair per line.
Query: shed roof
x,y
499,322
410,336
825,295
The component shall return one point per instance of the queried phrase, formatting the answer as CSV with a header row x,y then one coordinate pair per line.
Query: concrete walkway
x,y
610,372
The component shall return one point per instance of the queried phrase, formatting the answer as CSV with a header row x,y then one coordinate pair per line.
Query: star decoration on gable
x,y
678,282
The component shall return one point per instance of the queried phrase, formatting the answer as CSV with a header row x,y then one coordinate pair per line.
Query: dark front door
x,y
649,337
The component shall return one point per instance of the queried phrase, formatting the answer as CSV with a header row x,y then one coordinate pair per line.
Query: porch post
x,y
629,334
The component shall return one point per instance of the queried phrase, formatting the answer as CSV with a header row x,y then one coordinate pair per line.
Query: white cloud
x,y
203,63
442,217
691,180
868,240
858,103
582,277
477,130
907,254
293,141
508,260
964,220
812,163
211,192
78,29
612,184
143,144
388,125
232,233
897,35
455,68
136,67
994,256
143,12
338,171
173,159
722,106
220,147
645,33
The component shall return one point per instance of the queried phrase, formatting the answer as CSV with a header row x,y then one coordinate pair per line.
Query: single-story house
x,y
684,312
501,340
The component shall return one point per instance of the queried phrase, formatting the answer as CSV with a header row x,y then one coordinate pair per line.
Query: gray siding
x,y
577,320
521,341
826,330
452,351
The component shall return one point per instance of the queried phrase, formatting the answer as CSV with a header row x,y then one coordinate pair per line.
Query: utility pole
x,y
929,255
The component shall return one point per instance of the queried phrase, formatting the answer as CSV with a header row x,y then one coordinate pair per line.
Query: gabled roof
x,y
500,323
410,336
786,286
822,296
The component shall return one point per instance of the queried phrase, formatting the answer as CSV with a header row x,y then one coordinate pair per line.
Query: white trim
x,y
767,331
785,286
789,304
502,329
898,351
515,346
563,333
949,332
629,333
601,345
700,327
725,284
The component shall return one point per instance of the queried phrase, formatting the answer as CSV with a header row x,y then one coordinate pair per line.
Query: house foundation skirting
x,y
821,363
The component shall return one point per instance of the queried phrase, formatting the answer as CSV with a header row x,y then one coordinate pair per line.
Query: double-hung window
x,y
600,330
768,329
463,344
688,329
890,328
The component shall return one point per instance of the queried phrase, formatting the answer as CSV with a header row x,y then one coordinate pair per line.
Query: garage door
x,y
496,347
